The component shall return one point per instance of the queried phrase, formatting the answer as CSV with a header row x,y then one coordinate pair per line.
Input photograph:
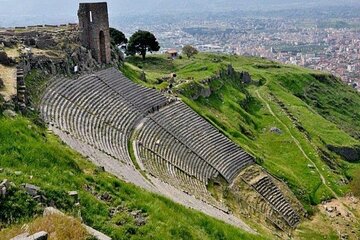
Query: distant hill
x,y
53,12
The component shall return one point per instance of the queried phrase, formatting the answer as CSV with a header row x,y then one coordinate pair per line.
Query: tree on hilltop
x,y
142,42
190,51
117,37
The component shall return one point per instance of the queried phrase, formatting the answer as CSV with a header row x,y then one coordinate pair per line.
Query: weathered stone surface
x,y
4,59
39,236
246,78
5,183
106,197
1,83
9,113
23,236
73,193
95,35
275,130
140,218
30,42
50,211
96,234
45,43
7,42
32,190
4,186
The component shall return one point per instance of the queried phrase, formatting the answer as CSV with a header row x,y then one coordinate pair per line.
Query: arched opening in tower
x,y
102,47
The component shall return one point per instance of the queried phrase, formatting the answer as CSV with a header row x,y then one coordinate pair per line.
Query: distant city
x,y
327,42
315,35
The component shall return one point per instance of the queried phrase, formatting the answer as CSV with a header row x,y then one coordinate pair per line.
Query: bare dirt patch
x,y
12,52
8,75
336,218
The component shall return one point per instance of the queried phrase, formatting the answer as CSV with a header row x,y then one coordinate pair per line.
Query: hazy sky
x,y
27,12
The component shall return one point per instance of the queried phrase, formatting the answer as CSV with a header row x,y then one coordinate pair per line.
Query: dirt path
x,y
323,180
130,174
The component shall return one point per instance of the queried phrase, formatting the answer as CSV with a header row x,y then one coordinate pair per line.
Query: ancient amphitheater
x,y
155,142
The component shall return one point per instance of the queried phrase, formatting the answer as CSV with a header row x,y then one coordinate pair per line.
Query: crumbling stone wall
x,y
94,30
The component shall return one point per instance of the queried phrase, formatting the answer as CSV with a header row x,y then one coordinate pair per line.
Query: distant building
x,y
172,53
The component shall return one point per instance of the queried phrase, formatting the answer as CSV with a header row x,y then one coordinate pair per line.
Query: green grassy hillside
x,y
280,96
30,154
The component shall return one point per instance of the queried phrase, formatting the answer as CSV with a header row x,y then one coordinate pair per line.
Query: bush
x,y
190,51
16,207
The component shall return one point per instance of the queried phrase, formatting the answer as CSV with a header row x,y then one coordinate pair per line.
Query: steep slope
x,y
121,210
100,111
278,116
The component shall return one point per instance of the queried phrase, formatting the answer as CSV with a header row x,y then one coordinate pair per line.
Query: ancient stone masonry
x,y
94,30
21,89
170,141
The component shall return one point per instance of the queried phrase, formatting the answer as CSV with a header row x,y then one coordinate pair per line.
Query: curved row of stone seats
x,y
85,126
147,100
203,139
98,109
94,96
273,195
159,141
161,168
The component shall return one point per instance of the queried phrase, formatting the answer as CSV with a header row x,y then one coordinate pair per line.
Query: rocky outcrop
x,y
2,85
4,188
78,60
9,113
5,60
194,89
350,154
37,236
246,78
45,42
91,231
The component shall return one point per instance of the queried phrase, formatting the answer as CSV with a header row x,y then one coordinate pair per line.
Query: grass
x,y
239,113
36,82
243,112
46,162
58,227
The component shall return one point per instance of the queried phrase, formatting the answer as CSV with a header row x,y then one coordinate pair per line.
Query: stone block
x,y
39,236
50,211
31,189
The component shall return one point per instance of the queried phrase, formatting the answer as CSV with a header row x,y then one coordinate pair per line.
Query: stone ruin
x,y
94,30
170,141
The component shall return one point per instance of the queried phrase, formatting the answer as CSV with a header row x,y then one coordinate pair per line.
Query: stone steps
x,y
203,139
173,143
273,195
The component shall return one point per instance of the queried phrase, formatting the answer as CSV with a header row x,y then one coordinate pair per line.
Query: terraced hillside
x,y
279,117
160,136
34,155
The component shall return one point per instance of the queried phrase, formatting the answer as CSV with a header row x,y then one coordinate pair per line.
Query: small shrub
x,y
17,206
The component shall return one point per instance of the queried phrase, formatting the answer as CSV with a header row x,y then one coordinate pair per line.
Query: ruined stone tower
x,y
94,30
